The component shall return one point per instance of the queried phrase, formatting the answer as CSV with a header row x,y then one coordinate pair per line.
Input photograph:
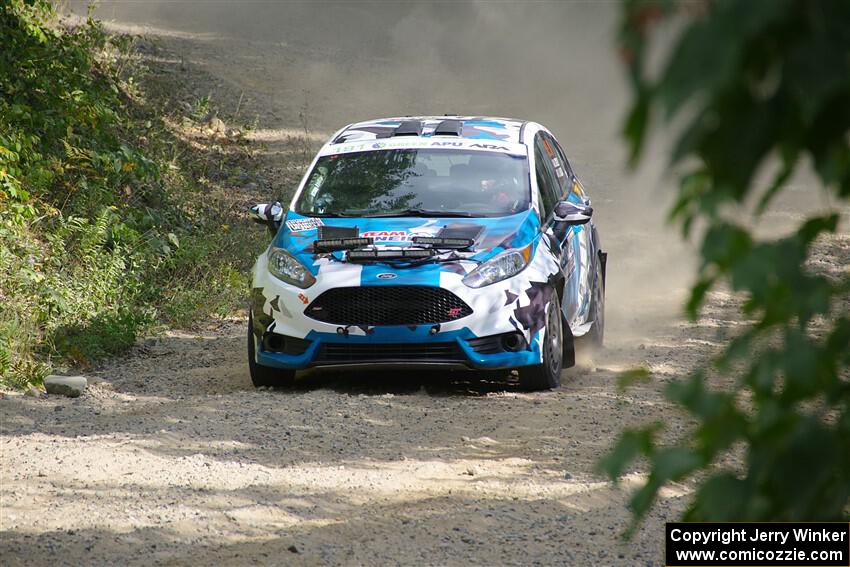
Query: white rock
x,y
217,125
71,386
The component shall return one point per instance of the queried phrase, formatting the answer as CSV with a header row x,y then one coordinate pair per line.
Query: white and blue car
x,y
438,242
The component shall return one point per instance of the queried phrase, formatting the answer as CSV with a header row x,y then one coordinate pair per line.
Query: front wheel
x,y
547,375
264,376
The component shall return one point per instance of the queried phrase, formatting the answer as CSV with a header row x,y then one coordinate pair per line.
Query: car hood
x,y
297,233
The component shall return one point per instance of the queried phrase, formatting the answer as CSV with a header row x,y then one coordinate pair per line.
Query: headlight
x,y
499,267
284,266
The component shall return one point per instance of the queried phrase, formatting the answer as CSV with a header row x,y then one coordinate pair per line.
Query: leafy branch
x,y
758,85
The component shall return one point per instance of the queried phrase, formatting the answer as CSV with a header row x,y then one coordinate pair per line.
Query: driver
x,y
498,184
486,182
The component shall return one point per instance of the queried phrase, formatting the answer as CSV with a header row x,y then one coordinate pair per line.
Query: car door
x,y
583,238
552,191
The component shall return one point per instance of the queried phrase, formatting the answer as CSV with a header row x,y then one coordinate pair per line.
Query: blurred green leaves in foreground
x,y
753,87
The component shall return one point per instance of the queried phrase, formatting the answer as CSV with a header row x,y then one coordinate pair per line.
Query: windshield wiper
x,y
328,215
419,213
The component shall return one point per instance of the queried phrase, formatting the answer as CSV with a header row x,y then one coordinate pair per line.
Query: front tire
x,y
547,375
264,376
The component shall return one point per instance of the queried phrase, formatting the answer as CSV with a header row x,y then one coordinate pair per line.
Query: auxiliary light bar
x,y
438,242
331,244
398,254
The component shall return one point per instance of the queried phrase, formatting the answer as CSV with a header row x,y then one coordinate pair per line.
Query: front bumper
x,y
396,346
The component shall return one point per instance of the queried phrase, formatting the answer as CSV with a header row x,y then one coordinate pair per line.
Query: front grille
x,y
387,305
341,353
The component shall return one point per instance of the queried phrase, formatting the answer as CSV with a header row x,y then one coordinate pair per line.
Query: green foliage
x,y
756,85
57,137
100,232
201,109
107,333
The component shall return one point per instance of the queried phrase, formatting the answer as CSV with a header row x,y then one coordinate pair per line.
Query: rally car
x,y
440,242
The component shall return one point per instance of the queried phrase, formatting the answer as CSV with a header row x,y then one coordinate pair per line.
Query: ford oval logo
x,y
386,276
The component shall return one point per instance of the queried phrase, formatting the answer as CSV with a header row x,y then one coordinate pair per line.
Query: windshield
x,y
417,181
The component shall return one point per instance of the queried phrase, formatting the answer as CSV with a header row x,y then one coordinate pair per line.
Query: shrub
x,y
99,236
758,86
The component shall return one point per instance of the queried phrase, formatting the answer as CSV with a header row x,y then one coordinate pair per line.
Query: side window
x,y
569,183
559,163
547,181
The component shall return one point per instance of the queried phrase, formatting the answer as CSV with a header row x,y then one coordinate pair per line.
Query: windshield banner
x,y
411,144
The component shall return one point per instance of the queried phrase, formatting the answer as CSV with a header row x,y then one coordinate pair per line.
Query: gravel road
x,y
171,457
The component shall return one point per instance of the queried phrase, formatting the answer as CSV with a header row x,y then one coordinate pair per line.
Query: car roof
x,y
468,127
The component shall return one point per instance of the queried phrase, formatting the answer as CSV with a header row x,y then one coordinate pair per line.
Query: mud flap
x,y
603,258
569,349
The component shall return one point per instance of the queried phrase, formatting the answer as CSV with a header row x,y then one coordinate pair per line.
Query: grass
x,y
117,210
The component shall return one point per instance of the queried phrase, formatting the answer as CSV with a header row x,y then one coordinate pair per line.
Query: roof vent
x,y
409,128
449,128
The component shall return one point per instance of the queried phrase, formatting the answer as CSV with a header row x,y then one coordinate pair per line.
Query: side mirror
x,y
572,213
270,215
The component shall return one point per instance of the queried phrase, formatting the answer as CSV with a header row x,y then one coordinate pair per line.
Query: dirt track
x,y
171,457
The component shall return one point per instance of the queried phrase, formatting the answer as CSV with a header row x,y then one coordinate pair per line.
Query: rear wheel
x,y
264,376
547,375
597,332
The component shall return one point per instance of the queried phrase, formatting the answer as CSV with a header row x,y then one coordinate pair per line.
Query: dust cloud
x,y
323,65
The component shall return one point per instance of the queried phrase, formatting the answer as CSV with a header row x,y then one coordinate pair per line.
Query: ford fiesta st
x,y
438,242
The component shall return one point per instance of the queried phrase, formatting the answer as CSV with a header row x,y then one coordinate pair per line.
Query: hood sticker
x,y
387,235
